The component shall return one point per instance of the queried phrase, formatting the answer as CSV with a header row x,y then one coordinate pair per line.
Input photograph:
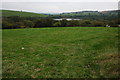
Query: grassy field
x,y
8,13
61,53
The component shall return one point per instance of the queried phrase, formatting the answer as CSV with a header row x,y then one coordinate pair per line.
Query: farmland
x,y
63,52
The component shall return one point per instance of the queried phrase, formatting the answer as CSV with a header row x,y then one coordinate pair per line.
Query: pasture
x,y
8,13
63,52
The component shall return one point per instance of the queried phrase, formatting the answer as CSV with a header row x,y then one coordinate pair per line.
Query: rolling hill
x,y
90,15
7,13
80,14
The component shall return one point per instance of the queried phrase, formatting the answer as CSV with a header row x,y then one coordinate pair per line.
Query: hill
x,y
7,13
89,15
80,14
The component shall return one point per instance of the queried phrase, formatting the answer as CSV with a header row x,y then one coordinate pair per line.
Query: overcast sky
x,y
60,0
59,6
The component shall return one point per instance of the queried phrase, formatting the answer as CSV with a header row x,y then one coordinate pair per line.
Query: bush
x,y
57,24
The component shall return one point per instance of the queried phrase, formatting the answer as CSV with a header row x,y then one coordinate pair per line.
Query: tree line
x,y
15,22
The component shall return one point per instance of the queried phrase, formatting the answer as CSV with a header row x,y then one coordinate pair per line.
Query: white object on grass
x,y
22,48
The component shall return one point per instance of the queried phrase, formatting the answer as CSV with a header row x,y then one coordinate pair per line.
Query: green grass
x,y
61,53
8,13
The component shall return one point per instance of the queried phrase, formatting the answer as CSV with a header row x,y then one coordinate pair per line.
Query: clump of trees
x,y
14,22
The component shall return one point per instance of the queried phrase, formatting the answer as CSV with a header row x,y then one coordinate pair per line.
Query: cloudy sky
x,y
59,6
60,0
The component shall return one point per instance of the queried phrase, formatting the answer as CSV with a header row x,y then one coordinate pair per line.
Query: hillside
x,y
80,14
89,15
7,13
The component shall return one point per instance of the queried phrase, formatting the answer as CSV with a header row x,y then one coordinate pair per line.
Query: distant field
x,y
8,13
61,53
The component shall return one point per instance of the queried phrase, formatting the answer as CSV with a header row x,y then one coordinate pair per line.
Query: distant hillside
x,y
103,15
89,15
7,13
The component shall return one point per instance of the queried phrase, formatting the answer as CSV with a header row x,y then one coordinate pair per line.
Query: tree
x,y
48,22
57,24
86,23
19,25
73,23
28,24
99,24
63,23
7,25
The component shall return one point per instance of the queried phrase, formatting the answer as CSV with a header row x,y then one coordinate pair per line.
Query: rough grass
x,y
61,53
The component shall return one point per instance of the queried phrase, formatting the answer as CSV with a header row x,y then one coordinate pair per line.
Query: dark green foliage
x,y
47,22
86,23
64,23
57,23
98,23
7,25
73,23
28,23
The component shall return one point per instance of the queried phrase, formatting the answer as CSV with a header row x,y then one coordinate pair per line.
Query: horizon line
x,y
59,12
